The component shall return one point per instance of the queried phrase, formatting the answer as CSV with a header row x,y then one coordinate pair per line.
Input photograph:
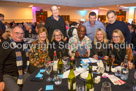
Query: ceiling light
x,y
104,8
30,6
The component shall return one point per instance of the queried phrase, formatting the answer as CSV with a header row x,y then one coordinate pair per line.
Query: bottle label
x,y
107,68
55,66
69,86
92,89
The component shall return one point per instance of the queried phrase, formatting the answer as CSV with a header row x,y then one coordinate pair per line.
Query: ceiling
x,y
66,7
78,3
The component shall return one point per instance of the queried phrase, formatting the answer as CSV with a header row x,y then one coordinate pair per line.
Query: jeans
x,y
11,82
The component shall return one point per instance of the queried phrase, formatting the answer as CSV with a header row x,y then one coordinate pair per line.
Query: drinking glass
x,y
57,79
48,71
106,86
66,63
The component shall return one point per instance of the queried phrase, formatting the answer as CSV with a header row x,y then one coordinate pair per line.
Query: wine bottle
x,y
109,63
73,60
71,78
90,81
60,64
55,61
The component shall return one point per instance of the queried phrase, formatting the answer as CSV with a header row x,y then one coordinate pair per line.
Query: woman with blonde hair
x,y
119,47
39,50
58,44
100,44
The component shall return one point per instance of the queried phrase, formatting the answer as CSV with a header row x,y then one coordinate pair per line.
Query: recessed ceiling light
x,y
30,6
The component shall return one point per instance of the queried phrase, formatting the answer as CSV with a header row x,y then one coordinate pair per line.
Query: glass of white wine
x,y
106,86
48,68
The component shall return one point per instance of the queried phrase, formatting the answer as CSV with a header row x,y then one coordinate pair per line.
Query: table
x,y
35,86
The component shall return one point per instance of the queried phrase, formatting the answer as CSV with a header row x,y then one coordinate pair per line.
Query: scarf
x,y
19,61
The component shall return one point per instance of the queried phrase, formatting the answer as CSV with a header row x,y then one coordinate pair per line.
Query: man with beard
x,y
92,25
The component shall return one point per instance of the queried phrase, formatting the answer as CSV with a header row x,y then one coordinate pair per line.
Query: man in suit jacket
x,y
2,27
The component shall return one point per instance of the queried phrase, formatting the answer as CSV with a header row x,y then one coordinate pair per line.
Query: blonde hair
x,y
53,35
41,30
122,39
105,40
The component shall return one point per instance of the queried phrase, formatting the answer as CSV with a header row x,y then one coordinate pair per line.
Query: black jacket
x,y
121,26
99,49
2,27
8,60
59,47
51,24
119,54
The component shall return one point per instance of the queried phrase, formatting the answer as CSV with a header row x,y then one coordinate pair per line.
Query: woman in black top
x,y
118,41
99,46
58,44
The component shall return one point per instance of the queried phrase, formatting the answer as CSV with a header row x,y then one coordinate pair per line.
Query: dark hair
x,y
92,14
73,23
1,15
81,26
111,11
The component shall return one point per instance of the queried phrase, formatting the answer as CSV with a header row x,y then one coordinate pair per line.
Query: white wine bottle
x,y
109,63
55,61
71,78
60,65
90,81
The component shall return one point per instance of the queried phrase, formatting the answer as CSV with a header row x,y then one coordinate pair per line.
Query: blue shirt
x,y
91,30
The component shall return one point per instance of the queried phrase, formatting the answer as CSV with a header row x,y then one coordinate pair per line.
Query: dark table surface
x,y
35,86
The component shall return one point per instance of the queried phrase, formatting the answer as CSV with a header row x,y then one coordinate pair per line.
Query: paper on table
x,y
93,60
49,87
84,75
85,60
77,72
115,80
100,63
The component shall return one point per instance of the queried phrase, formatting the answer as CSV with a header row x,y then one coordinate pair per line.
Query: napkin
x,y
49,87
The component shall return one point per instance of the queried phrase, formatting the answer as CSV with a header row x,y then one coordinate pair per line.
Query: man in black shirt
x,y
13,61
2,27
114,24
55,22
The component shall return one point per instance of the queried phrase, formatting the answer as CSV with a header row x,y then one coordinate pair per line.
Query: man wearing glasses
x,y
14,61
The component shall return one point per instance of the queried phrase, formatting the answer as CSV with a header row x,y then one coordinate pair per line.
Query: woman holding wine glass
x,y
39,50
117,42
99,46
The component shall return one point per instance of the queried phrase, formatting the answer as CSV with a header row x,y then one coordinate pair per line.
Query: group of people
x,y
91,39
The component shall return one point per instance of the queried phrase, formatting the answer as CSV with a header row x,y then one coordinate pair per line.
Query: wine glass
x,y
48,71
134,87
106,86
66,63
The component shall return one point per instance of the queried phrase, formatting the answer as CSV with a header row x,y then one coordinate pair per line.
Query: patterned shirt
x,y
38,53
74,43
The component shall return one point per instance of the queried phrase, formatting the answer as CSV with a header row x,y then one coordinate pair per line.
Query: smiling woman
x,y
100,48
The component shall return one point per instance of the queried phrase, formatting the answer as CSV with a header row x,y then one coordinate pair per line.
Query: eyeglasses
x,y
58,35
115,36
17,33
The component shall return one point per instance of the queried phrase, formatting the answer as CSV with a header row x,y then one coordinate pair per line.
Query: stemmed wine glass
x,y
48,68
66,63
134,87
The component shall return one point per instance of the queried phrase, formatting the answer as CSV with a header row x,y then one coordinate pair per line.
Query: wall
x,y
18,14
